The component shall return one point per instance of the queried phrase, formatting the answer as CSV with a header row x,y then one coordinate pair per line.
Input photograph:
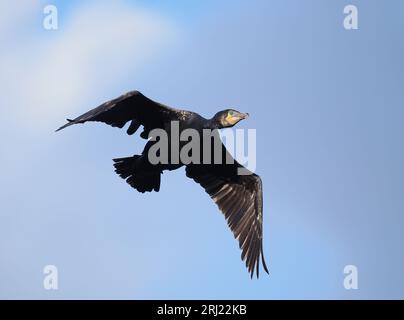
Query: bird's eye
x,y
231,113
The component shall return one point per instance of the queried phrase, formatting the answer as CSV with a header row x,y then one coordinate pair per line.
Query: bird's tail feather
x,y
141,180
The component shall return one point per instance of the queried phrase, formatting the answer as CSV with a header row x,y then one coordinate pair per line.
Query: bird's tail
x,y
141,180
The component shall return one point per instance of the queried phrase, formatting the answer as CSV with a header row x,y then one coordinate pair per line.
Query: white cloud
x,y
47,74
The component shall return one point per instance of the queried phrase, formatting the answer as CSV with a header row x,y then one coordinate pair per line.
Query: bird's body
x,y
239,197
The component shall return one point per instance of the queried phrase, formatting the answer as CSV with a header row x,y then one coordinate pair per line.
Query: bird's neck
x,y
213,124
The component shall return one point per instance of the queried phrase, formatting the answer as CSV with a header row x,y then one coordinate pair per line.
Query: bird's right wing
x,y
240,199
132,106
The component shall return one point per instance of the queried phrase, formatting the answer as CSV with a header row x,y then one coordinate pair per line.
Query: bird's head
x,y
228,118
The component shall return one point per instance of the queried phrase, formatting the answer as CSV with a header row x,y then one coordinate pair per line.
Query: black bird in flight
x,y
239,197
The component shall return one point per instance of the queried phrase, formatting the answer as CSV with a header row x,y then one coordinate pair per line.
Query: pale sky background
x,y
327,104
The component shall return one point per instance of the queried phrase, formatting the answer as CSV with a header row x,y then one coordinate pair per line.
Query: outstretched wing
x,y
132,106
239,197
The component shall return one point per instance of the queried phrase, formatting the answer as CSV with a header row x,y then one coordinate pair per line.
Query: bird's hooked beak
x,y
233,117
243,116
239,116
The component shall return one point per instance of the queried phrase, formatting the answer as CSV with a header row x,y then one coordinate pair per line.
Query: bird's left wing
x,y
132,106
239,197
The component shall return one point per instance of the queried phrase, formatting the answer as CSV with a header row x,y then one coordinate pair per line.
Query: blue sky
x,y
327,106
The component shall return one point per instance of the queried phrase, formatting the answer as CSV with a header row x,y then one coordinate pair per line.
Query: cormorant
x,y
239,197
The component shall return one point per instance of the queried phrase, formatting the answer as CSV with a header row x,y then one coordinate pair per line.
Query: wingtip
x,y
69,123
264,265
256,269
257,274
62,127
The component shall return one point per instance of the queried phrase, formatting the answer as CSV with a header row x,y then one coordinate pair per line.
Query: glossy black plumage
x,y
239,197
